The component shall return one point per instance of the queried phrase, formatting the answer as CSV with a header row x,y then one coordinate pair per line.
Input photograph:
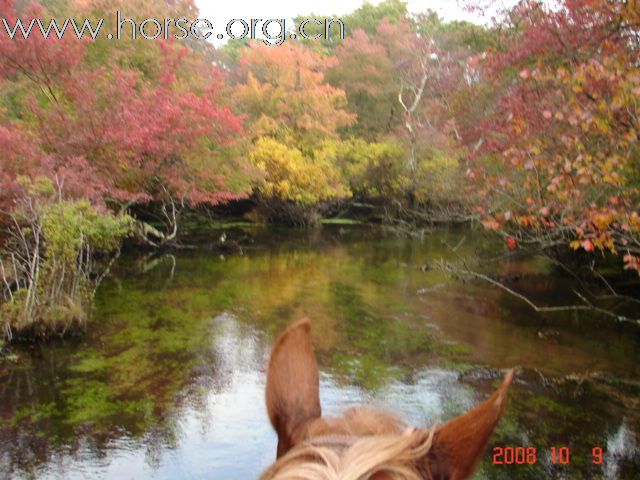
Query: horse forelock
x,y
362,444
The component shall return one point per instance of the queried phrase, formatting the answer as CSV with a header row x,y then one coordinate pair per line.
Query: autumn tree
x,y
91,130
403,82
560,154
366,18
291,110
366,72
143,135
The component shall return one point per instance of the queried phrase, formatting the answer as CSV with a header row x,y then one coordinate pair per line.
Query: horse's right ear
x,y
293,386
459,443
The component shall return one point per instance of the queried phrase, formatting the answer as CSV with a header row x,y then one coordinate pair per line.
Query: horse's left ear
x,y
459,443
293,386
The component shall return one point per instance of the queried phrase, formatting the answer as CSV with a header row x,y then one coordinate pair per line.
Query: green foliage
x,y
70,226
365,18
456,34
367,74
374,169
55,241
380,170
369,15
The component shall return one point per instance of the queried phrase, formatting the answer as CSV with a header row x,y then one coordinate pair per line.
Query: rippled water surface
x,y
169,381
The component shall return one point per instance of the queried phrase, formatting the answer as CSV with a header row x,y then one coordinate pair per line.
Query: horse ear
x,y
293,386
459,443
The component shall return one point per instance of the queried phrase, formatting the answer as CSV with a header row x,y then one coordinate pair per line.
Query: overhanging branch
x,y
585,306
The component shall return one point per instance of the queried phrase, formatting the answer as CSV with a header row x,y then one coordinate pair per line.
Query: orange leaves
x,y
525,74
561,148
491,223
601,243
632,262
588,246
286,84
527,221
294,116
603,221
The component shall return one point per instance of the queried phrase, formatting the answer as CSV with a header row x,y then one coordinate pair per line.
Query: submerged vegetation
x,y
174,359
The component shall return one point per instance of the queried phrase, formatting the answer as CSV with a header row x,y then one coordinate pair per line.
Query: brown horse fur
x,y
363,443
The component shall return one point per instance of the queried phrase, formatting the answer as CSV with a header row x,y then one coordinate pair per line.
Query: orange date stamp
x,y
529,455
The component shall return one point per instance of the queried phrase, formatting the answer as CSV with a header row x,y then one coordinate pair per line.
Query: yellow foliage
x,y
292,176
373,169
438,178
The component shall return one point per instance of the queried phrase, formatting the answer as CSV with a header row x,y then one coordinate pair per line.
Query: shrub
x,y
51,252
295,184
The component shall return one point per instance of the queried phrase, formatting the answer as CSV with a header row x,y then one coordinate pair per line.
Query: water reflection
x,y
169,381
622,447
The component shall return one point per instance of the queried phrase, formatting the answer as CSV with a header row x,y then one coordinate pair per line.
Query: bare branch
x,y
587,305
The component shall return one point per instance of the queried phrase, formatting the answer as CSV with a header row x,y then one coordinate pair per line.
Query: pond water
x,y
169,381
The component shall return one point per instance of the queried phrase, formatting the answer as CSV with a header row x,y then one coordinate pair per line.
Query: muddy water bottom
x,y
169,381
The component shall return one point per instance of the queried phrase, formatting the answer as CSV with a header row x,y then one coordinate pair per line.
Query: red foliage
x,y
18,158
146,138
559,150
111,133
41,60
